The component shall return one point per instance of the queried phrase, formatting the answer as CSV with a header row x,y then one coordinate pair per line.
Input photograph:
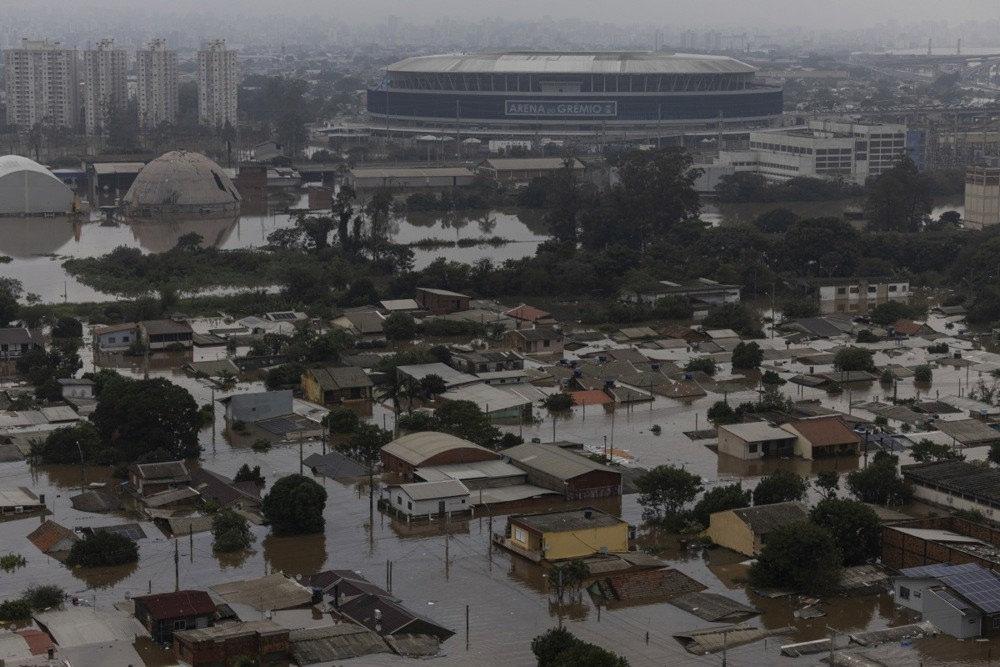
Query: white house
x,y
116,337
430,498
77,387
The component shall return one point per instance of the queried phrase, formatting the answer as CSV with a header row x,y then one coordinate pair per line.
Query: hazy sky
x,y
818,14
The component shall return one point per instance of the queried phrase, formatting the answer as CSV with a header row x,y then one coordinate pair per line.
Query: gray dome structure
x,y
182,184
29,189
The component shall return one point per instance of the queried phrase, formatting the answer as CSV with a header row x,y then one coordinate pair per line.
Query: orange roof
x,y
527,313
590,397
38,641
907,327
50,536
825,431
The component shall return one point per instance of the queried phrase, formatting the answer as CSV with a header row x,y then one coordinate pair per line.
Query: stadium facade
x,y
607,92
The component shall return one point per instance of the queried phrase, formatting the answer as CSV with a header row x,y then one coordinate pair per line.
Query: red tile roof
x,y
527,313
38,641
825,431
182,604
590,397
907,327
48,536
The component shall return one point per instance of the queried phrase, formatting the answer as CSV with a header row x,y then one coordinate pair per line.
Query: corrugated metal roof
x,y
555,461
756,432
416,448
611,62
450,488
77,626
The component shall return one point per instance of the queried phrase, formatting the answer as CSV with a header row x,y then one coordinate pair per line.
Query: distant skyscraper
x,y
42,84
156,68
105,70
218,81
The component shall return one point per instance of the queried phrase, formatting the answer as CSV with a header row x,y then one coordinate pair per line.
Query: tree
x,y
854,359
558,402
855,528
10,309
147,420
776,221
720,499
230,532
342,420
802,557
704,364
666,489
771,379
779,487
923,374
558,647
673,308
747,356
880,483
248,474
399,326
571,574
294,506
102,548
81,443
994,454
799,308
890,312
67,327
721,413
736,316
465,420
926,451
829,482
898,199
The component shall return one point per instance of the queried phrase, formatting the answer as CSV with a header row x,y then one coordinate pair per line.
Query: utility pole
x,y
83,469
191,540
300,454
213,419
466,627
833,646
447,560
177,566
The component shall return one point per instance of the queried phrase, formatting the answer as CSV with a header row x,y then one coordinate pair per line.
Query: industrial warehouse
x,y
569,93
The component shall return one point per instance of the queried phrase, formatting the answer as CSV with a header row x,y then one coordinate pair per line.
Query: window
x,y
892,288
409,505
752,448
996,623
841,290
904,593
545,343
399,500
180,625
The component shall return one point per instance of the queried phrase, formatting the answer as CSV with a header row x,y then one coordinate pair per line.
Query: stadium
x,y
569,93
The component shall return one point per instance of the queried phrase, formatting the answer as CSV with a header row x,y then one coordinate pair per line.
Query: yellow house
x,y
745,530
566,535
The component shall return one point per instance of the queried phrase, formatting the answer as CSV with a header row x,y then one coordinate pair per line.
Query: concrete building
x,y
336,384
182,184
441,301
859,296
249,408
17,341
442,498
164,613
566,535
819,437
149,478
956,485
105,70
409,178
405,454
821,149
166,334
982,197
540,340
573,475
116,337
703,291
218,83
42,83
745,530
261,641
523,169
27,189
156,78
961,600
755,440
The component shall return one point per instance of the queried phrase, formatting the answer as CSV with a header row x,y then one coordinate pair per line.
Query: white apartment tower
x,y
218,81
156,68
105,70
42,84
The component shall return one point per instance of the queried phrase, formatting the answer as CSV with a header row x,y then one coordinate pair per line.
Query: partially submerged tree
x,y
230,532
294,506
801,557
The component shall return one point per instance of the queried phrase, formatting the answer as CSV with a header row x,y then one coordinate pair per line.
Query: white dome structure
x,y
182,184
29,189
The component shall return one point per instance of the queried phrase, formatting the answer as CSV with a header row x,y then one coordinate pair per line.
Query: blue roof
x,y
981,587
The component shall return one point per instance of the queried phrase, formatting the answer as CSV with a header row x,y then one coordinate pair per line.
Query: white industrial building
x,y
29,189
821,149
430,498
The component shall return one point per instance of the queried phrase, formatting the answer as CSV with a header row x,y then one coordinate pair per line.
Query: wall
x,y
584,542
727,530
401,502
736,446
944,499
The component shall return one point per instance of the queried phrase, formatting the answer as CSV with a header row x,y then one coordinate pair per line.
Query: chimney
x,y
588,513
336,596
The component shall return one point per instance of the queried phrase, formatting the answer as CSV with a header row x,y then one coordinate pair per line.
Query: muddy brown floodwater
x,y
508,598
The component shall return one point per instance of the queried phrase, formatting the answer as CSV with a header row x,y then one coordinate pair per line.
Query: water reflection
x,y
295,555
30,237
233,560
732,467
104,577
156,236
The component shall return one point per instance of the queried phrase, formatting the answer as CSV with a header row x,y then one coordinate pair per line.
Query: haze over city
x,y
556,333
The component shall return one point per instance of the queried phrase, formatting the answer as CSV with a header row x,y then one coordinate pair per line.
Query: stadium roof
x,y
611,62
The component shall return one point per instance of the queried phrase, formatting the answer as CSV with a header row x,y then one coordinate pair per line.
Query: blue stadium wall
x,y
611,109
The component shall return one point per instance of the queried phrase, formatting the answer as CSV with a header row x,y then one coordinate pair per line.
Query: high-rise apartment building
x,y
156,93
218,81
42,83
105,70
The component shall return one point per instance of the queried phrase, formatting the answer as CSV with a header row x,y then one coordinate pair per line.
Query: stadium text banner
x,y
560,108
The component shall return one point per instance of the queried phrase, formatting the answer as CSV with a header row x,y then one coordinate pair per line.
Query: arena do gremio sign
x,y
563,109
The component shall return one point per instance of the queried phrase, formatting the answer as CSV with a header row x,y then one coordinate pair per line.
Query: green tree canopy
x,y
802,557
399,326
342,420
102,548
854,359
855,528
666,489
880,483
778,487
747,356
294,506
898,199
230,531
720,499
